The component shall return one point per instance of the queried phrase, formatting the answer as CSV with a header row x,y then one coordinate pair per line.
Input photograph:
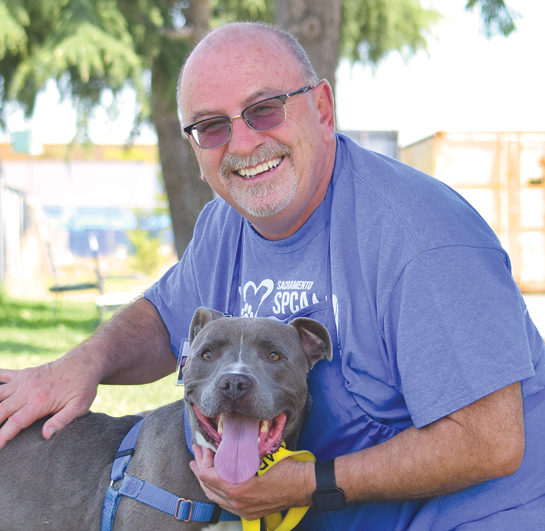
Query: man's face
x,y
271,177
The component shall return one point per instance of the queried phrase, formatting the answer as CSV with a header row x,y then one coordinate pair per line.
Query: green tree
x,y
91,46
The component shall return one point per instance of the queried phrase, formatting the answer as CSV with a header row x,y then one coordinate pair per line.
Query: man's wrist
x,y
327,496
303,484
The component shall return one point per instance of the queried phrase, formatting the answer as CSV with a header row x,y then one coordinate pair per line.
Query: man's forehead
x,y
217,78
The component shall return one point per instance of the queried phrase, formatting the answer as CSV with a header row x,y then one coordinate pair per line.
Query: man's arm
x,y
132,348
482,441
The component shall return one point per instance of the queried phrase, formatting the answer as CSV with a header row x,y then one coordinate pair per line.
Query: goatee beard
x,y
259,199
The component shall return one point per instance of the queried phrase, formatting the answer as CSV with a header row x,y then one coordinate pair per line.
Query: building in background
x,y
53,201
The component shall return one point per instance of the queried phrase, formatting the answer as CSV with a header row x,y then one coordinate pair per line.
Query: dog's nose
x,y
234,385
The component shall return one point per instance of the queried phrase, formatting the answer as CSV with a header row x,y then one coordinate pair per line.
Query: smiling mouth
x,y
248,173
268,432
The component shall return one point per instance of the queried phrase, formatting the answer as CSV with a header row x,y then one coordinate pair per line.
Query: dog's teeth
x,y
220,423
264,427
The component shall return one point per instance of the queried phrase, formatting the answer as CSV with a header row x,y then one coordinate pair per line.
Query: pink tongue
x,y
237,456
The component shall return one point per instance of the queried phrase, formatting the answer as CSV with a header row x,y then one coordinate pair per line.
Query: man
x,y
432,407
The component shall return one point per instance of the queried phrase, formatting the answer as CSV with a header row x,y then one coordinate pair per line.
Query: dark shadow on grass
x,y
17,347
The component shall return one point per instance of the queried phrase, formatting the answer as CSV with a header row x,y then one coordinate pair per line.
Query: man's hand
x,y
259,496
132,348
62,388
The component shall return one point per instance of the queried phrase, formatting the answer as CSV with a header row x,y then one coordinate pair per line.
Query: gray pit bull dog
x,y
245,392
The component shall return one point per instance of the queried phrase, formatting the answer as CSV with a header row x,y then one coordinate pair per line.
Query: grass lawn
x,y
31,334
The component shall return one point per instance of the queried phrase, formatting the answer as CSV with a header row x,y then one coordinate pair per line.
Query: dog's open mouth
x,y
268,433
241,442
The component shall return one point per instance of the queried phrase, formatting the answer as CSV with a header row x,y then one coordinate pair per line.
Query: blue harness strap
x,y
156,497
121,462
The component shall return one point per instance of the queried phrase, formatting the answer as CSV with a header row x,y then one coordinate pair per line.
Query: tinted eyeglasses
x,y
260,116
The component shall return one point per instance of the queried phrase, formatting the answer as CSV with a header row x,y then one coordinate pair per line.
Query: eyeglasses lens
x,y
213,132
265,114
260,116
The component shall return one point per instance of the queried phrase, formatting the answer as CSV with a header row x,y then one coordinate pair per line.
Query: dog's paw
x,y
247,311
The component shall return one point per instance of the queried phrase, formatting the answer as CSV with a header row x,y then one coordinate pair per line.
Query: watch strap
x,y
327,496
325,474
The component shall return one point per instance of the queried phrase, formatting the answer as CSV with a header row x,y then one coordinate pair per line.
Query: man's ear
x,y
326,107
200,318
315,339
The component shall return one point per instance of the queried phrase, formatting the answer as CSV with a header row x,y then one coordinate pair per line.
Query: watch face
x,y
328,500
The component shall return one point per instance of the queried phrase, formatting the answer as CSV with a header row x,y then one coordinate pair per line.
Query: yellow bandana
x,y
275,522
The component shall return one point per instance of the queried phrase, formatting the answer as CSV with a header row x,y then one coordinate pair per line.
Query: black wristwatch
x,y
327,496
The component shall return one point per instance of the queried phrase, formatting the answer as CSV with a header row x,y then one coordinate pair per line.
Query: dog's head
x,y
245,385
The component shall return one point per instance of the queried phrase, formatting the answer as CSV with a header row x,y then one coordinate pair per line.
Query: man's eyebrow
x,y
263,93
197,117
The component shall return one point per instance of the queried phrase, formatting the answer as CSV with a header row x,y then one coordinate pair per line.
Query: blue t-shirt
x,y
427,312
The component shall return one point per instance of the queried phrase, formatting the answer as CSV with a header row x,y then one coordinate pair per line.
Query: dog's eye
x,y
207,356
274,356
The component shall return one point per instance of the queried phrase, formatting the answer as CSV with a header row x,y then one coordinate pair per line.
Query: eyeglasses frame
x,y
188,130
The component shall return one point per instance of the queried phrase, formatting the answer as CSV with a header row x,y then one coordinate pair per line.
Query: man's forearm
x,y
482,441
132,348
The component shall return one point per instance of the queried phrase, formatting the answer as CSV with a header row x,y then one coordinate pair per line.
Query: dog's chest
x,y
226,526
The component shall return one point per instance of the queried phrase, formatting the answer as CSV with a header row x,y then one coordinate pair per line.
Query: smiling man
x,y
431,413
274,171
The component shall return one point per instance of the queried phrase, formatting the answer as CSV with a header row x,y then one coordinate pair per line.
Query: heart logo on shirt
x,y
253,296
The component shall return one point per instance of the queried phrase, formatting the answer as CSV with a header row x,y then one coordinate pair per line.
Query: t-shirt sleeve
x,y
175,297
455,328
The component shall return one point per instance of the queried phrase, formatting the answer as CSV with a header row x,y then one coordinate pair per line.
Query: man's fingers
x,y
14,424
197,452
203,468
30,394
5,389
204,457
58,421
8,406
207,458
6,375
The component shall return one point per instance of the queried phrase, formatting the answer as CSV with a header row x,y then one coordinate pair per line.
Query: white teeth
x,y
260,168
220,423
264,426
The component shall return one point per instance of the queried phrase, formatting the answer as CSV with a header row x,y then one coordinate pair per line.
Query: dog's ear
x,y
315,339
200,318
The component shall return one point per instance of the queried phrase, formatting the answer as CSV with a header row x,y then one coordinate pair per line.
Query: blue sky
x,y
464,82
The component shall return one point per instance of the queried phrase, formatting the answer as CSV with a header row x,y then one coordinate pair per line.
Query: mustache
x,y
232,162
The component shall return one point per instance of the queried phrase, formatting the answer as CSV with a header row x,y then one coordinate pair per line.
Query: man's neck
x,y
279,227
